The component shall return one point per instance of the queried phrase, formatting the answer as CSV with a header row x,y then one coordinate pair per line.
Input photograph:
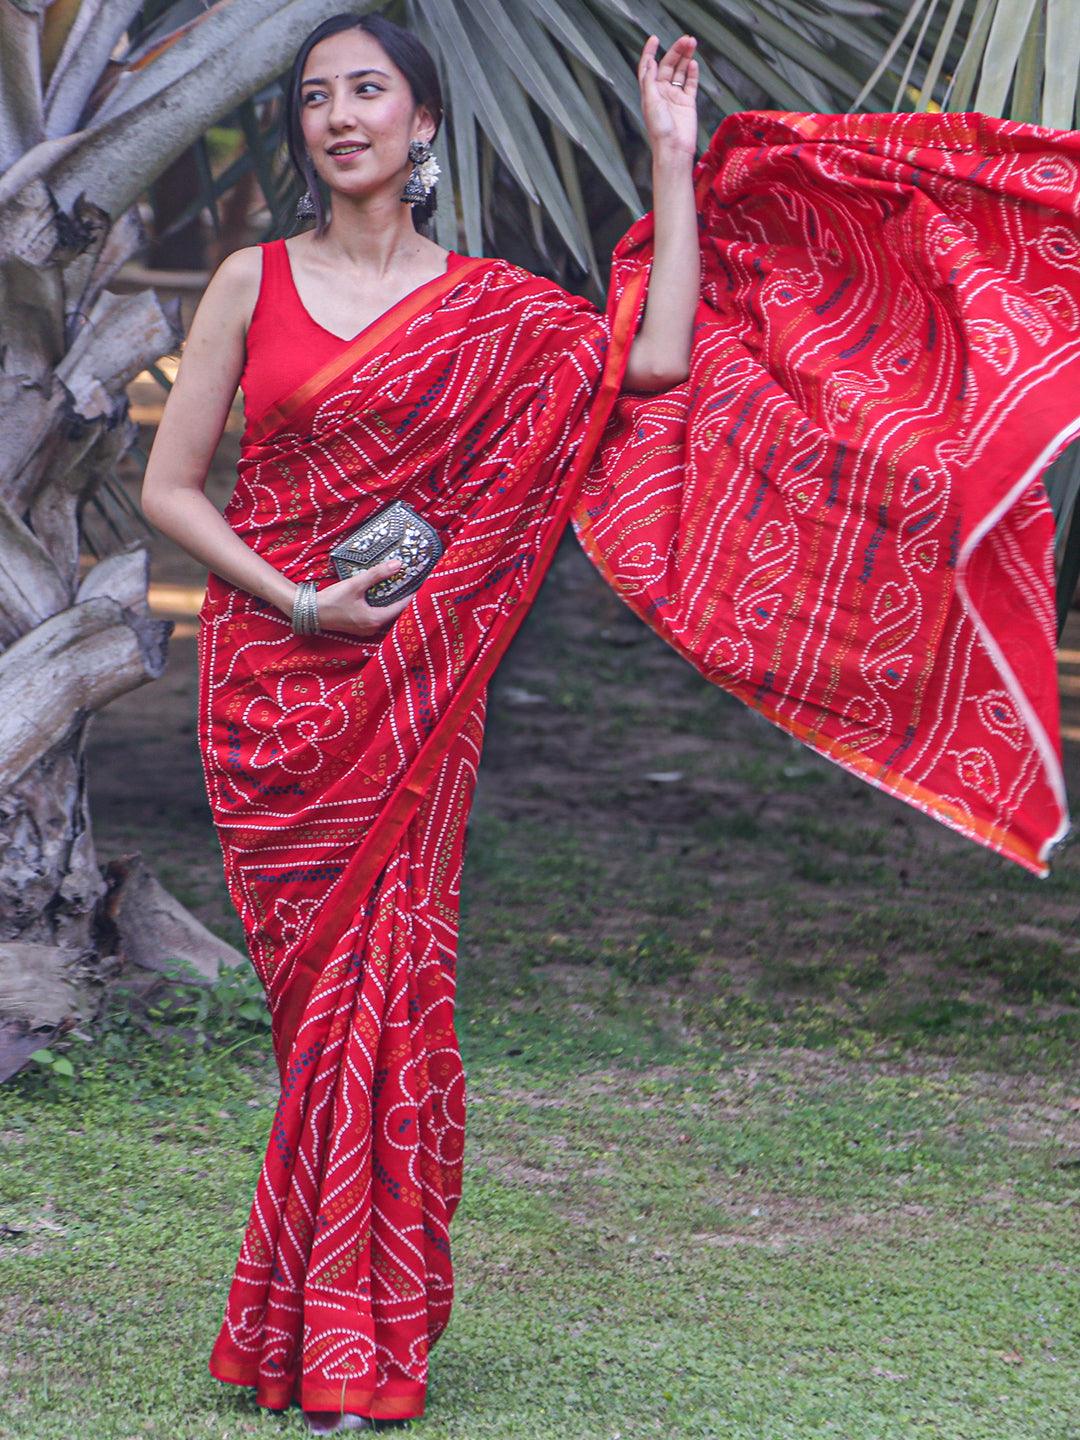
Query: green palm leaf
x,y
1018,59
542,98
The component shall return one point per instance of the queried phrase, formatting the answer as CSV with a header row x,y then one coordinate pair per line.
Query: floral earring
x,y
305,206
425,173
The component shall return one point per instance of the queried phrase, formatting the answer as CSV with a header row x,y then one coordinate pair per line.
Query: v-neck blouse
x,y
284,344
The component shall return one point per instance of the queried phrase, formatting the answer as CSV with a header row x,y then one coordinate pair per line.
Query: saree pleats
x,y
344,1278
838,518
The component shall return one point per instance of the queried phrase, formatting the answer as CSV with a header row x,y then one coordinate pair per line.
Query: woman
x,y
837,355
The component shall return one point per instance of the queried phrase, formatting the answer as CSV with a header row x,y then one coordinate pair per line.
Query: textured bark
x,y
122,335
50,883
150,117
20,80
97,27
67,667
68,348
154,930
38,985
30,587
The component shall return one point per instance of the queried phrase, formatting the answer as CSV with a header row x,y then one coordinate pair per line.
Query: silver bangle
x,y
305,611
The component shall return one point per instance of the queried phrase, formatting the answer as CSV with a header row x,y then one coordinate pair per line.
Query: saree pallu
x,y
838,517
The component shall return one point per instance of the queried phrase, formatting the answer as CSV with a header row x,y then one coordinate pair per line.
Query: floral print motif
x,y
302,717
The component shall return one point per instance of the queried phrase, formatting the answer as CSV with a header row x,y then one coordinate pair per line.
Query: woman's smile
x,y
345,150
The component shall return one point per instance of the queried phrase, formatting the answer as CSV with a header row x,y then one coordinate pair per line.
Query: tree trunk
x,y
69,645
80,139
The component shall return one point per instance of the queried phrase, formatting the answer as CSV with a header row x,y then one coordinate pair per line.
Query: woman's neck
x,y
371,235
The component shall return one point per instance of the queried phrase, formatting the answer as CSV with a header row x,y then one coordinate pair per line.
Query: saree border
x,y
279,1392
882,777
353,885
377,333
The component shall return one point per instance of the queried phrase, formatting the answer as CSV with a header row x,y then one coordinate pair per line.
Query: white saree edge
x,y
1052,766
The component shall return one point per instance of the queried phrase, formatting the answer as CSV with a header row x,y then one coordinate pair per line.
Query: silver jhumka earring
x,y
425,173
305,206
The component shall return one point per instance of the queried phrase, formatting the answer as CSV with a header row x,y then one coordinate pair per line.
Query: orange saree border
x,y
373,335
352,885
892,782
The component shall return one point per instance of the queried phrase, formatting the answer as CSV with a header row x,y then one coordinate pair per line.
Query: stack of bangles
x,y
305,610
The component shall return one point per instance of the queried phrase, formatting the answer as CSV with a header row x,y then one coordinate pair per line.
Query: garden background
x,y
774,1118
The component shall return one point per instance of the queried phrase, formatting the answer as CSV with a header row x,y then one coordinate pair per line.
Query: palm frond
x,y
1014,58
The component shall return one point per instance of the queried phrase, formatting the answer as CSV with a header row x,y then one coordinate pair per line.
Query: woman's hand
x,y
343,607
669,95
661,350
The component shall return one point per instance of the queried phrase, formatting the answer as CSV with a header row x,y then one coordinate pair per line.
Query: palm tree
x,y
100,97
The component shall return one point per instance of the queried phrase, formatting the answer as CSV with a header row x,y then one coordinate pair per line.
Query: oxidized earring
x,y
305,206
425,173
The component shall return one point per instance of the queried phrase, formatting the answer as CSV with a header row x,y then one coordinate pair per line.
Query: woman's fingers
x,y
677,67
648,58
366,578
345,606
686,78
378,616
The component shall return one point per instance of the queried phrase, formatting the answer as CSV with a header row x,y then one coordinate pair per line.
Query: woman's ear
x,y
427,123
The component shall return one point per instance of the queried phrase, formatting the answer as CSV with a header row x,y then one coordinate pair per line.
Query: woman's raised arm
x,y
660,354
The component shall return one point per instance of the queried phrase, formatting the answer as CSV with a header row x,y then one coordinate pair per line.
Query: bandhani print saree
x,y
838,518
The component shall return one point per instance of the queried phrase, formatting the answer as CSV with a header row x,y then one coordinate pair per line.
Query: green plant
x,y
171,1015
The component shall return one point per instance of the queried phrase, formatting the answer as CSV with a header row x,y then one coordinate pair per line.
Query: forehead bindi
x,y
346,56
350,75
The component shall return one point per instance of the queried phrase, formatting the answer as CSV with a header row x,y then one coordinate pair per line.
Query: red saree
x,y
838,517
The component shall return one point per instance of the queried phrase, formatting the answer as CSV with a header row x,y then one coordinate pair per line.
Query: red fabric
x,y
883,298
284,344
839,516
340,773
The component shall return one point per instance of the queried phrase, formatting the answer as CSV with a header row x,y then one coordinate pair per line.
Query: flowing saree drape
x,y
838,517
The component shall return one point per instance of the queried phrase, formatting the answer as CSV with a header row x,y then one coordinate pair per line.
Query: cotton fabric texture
x,y
838,518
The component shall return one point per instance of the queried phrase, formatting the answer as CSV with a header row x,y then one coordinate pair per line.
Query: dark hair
x,y
412,58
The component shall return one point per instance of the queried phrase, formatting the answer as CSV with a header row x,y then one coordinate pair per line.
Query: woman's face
x,y
357,115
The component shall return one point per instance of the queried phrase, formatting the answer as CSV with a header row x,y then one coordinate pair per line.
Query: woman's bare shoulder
x,y
241,267
234,286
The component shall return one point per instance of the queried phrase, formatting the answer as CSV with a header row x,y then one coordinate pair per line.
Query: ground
x,y
773,1118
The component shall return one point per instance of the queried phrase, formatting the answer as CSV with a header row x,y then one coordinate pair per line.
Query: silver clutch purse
x,y
397,529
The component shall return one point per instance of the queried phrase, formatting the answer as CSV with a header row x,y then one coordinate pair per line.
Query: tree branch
x,y
73,663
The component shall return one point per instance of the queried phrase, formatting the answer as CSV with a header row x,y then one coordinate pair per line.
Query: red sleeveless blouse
x,y
284,344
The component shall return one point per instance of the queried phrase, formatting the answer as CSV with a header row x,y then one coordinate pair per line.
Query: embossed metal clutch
x,y
397,529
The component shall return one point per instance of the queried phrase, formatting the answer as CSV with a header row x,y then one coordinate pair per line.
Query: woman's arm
x,y
660,353
191,426
173,494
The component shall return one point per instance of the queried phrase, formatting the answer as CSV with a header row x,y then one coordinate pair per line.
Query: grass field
x,y
772,1110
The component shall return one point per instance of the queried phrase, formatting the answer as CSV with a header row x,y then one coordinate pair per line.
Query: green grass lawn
x,y
665,1231
772,1106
